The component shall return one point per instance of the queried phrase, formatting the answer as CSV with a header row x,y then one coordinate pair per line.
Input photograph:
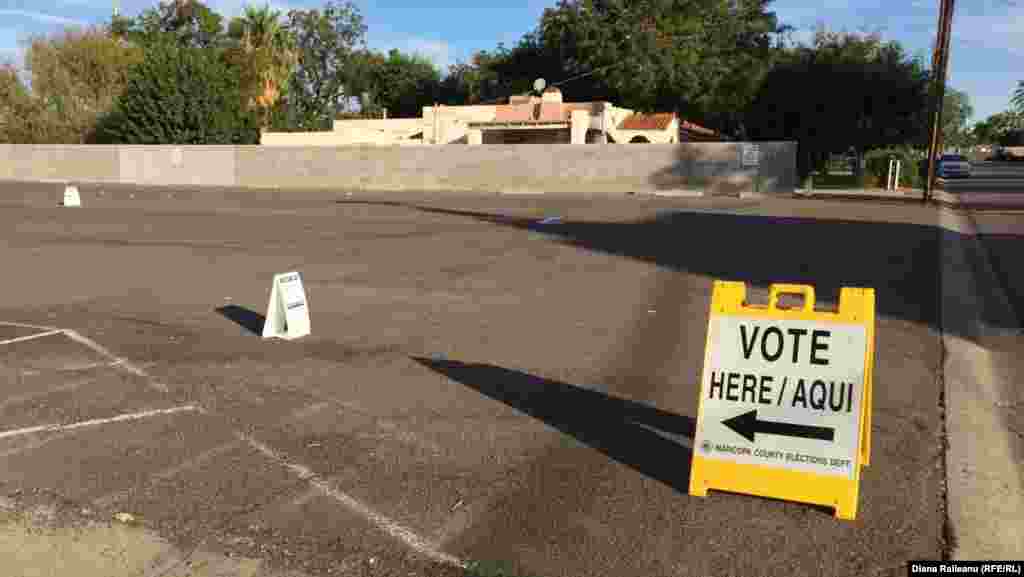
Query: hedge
x,y
912,173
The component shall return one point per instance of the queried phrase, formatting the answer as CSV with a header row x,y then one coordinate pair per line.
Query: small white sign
x,y
751,155
783,394
288,312
71,196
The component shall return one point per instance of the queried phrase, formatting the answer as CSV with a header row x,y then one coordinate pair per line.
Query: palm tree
x,y
1017,100
267,51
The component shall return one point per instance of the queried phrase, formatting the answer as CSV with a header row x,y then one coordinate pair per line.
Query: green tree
x,y
1017,100
186,22
326,42
994,128
264,53
489,76
1006,121
982,133
75,76
956,111
180,95
701,57
844,90
18,110
400,83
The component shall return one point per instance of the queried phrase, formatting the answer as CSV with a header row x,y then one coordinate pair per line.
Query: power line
x,y
561,82
712,24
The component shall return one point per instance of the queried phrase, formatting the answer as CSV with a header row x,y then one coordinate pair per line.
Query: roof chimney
x,y
552,94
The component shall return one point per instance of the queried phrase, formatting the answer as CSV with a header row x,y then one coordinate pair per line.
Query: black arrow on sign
x,y
747,424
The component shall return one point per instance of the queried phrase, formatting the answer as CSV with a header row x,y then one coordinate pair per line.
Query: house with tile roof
x,y
544,119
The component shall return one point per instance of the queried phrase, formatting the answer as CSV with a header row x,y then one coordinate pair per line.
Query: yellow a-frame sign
x,y
785,397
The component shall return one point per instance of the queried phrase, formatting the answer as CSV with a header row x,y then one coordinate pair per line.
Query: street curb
x,y
984,497
676,193
858,196
972,199
967,201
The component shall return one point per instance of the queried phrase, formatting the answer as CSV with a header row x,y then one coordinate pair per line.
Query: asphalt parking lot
x,y
477,386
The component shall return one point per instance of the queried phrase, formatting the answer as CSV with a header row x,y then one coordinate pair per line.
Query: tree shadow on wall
x,y
715,169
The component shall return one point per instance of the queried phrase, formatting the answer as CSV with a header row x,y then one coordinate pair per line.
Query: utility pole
x,y
940,62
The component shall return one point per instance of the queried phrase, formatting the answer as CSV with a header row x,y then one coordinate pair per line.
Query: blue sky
x,y
986,60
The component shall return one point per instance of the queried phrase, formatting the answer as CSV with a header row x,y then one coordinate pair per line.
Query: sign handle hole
x,y
788,301
756,297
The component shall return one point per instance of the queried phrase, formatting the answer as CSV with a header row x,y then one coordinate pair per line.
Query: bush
x,y
180,95
912,173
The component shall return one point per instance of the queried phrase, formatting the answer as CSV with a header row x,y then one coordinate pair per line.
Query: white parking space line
x,y
30,337
317,483
115,360
94,422
392,528
86,367
28,326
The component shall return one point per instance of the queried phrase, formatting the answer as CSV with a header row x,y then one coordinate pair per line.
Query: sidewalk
x,y
861,194
972,200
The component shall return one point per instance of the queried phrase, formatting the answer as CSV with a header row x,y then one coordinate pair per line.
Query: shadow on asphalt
x,y
900,261
634,434
249,320
1005,253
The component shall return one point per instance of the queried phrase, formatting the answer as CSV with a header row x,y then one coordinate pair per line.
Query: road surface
x,y
477,386
990,177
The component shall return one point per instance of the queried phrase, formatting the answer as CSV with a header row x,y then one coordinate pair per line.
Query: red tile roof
x,y
659,121
691,127
513,112
551,112
532,111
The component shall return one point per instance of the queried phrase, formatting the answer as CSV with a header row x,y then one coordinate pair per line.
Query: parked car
x,y
953,165
1012,152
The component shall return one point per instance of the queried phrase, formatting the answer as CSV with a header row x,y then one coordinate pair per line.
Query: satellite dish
x,y
539,84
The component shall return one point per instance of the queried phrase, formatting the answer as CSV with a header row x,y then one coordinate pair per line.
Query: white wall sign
x,y
783,393
751,154
288,311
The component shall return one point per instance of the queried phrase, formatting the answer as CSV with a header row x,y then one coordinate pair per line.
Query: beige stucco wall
x,y
557,168
579,122
361,132
47,161
561,168
385,124
453,125
305,138
667,136
191,165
